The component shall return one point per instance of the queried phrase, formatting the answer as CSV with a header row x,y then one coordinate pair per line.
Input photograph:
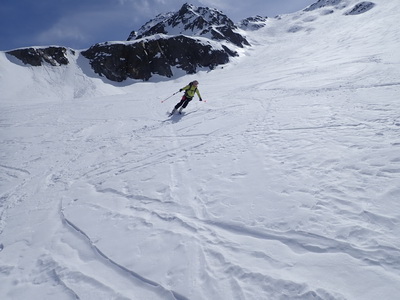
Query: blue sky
x,y
81,23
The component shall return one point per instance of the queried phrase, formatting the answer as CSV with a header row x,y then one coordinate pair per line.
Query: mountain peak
x,y
191,20
187,7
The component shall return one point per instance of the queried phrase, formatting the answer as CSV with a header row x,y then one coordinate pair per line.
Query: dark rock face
x,y
141,59
324,3
253,23
193,21
360,8
55,56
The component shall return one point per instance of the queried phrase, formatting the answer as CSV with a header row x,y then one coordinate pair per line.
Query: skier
x,y
190,90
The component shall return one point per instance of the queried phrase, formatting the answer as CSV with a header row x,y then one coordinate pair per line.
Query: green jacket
x,y
190,90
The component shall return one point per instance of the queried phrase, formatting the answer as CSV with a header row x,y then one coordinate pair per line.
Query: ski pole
x,y
169,97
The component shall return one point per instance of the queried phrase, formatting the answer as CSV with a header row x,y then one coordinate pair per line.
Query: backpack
x,y
190,86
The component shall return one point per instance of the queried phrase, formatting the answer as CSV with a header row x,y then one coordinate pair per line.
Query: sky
x,y
81,23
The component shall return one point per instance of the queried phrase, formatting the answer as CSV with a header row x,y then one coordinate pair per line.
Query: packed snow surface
x,y
283,184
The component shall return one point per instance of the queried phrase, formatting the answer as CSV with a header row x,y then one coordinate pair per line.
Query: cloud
x,y
88,27
62,34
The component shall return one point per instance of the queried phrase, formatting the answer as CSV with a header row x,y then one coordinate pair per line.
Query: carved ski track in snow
x,y
191,214
215,248
299,242
19,170
188,144
155,287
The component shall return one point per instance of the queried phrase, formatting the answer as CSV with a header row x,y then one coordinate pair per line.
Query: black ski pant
x,y
184,102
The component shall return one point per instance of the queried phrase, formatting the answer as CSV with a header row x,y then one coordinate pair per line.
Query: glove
x,y
201,99
180,90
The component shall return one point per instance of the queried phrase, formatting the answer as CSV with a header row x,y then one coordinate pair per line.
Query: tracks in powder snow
x,y
172,191
123,277
217,205
170,153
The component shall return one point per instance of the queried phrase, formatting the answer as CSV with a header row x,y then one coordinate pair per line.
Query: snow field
x,y
283,185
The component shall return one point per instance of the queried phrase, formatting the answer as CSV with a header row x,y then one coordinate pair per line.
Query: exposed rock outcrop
x,y
144,58
360,8
253,23
55,56
324,3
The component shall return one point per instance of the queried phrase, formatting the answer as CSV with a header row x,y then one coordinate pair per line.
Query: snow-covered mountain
x,y
193,21
189,40
282,184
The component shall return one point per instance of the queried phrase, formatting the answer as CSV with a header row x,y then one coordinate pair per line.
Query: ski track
x,y
181,209
187,211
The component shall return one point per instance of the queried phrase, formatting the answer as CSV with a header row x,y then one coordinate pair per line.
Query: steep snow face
x,y
283,184
49,82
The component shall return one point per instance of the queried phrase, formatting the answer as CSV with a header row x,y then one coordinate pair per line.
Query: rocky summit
x,y
193,21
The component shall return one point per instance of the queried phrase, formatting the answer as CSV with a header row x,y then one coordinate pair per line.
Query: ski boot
x,y
172,112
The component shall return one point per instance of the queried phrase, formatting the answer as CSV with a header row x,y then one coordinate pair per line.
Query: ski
x,y
177,114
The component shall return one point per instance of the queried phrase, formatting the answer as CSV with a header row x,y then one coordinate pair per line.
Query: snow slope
x,y
285,184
